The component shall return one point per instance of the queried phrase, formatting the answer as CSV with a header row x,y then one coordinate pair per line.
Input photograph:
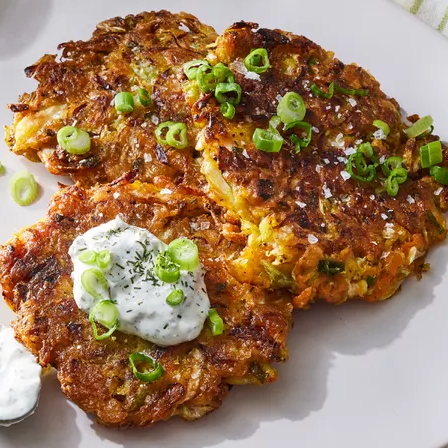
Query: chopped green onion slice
x,y
390,164
274,122
320,93
104,312
162,131
1,168
357,92
419,127
103,259
177,136
172,134
312,61
300,142
175,297
23,188
88,257
144,97
291,108
331,267
396,177
139,363
222,73
93,281
440,174
184,253
215,322
364,172
383,126
166,270
228,110
228,92
257,61
191,68
366,149
428,132
124,102
431,154
267,140
206,78
73,140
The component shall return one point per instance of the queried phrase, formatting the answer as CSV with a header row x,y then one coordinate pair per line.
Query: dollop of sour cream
x,y
19,379
134,287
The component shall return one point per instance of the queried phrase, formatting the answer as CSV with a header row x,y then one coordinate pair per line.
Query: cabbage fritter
x,y
142,51
305,225
310,226
35,271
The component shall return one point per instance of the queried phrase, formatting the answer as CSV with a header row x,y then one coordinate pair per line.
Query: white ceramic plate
x,y
360,375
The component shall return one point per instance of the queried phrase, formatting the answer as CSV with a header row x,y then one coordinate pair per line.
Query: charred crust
x,y
265,188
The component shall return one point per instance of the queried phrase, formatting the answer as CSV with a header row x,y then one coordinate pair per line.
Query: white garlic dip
x,y
135,289
20,379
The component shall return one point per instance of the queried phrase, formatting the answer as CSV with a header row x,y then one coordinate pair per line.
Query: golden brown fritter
x,y
35,271
302,210
293,213
143,51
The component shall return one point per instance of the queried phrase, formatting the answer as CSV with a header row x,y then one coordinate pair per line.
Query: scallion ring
x,y
177,136
320,93
191,68
206,79
222,73
161,131
166,270
431,154
395,179
300,142
228,92
227,110
172,134
74,140
184,253
390,164
427,132
440,174
104,312
93,281
257,61
291,108
383,126
23,187
267,140
419,127
103,259
124,102
364,172
88,257
215,322
144,97
275,122
175,297
366,149
139,363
